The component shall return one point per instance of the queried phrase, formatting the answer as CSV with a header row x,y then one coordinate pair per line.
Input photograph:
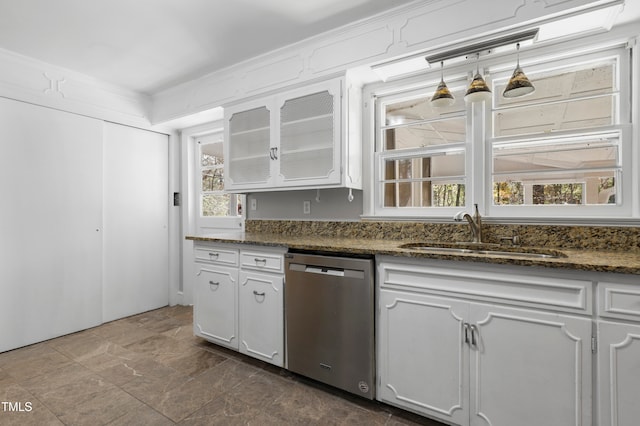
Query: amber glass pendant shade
x,y
519,84
442,97
478,89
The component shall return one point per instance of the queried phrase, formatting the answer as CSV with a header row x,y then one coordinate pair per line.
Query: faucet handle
x,y
514,239
459,216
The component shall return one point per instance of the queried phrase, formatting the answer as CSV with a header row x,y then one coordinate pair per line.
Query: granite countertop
x,y
625,262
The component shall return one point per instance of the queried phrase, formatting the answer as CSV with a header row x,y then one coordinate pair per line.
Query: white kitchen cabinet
x,y
216,305
618,354
422,359
239,298
470,363
302,138
261,316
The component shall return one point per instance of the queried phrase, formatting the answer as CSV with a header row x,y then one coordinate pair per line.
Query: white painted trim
x,y
421,26
33,81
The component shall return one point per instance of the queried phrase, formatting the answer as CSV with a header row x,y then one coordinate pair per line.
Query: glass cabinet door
x,y
250,146
309,130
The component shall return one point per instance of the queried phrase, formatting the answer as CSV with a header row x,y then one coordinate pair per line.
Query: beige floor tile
x,y
176,396
222,410
142,416
100,408
227,375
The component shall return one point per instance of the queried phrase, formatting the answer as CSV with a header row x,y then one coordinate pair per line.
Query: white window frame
x,y
426,87
215,137
622,127
479,139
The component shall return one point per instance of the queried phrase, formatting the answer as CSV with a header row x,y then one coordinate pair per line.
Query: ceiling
x,y
150,45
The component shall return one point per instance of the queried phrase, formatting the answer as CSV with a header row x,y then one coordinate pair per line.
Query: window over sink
x,y
564,151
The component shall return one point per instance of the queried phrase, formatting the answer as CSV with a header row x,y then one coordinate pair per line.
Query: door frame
x,y
191,221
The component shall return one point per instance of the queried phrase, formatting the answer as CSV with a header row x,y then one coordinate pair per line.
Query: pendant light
x,y
519,84
442,97
478,90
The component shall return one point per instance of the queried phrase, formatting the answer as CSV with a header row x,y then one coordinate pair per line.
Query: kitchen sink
x,y
485,248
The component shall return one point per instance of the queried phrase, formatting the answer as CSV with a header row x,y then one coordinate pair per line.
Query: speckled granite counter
x,y
584,259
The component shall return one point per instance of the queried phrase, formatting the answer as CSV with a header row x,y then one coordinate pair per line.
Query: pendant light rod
x,y
476,48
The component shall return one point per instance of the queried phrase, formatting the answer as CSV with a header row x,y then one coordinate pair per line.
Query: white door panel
x,y
136,200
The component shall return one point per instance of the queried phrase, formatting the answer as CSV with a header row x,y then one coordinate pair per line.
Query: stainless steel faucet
x,y
475,223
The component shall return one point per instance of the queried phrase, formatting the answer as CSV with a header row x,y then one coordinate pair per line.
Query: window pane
x,y
440,132
556,172
546,118
563,100
211,154
546,156
589,189
213,180
215,204
428,181
419,109
448,195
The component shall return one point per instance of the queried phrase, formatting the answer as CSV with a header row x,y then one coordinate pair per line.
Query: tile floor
x,y
149,369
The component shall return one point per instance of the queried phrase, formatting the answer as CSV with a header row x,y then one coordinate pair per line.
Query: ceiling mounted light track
x,y
482,46
519,84
442,97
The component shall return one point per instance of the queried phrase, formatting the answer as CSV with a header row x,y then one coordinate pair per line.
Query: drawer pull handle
x,y
263,261
259,294
212,283
465,327
214,255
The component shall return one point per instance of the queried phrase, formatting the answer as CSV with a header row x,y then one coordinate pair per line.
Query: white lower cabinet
x,y
619,352
619,373
216,305
261,316
238,299
470,363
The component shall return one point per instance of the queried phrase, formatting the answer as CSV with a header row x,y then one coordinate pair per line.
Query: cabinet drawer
x,y
216,255
509,285
617,300
271,262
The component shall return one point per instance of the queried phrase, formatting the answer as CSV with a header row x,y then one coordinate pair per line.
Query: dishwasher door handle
x,y
324,271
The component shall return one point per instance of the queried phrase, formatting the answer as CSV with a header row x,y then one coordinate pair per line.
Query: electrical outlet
x,y
254,204
306,207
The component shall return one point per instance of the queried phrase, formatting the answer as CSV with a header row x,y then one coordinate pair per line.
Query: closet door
x,y
136,207
50,223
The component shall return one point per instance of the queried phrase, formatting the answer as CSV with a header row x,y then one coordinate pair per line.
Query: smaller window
x,y
214,202
421,152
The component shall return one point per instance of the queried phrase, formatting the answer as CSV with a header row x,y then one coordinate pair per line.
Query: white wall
x,y
328,204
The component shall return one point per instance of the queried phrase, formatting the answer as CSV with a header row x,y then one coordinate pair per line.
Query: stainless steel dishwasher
x,y
329,312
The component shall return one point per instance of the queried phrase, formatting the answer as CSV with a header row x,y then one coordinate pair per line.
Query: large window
x,y
562,151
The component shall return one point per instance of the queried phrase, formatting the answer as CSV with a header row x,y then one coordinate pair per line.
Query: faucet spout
x,y
475,223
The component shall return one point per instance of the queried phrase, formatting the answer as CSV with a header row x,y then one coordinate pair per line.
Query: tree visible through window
x,y
213,200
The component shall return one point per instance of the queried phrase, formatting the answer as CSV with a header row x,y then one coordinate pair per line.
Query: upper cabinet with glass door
x,y
296,139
